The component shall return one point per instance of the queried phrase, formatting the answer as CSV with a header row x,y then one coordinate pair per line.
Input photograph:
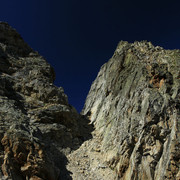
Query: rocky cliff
x,y
38,127
133,105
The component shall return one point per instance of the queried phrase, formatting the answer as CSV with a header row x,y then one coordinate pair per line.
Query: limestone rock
x,y
134,105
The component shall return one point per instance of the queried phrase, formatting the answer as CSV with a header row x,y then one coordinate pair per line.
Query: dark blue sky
x,y
78,36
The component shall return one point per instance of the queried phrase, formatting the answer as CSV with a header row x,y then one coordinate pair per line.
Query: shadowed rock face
x,y
38,127
134,105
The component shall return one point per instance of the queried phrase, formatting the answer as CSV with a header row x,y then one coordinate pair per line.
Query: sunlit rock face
x,y
134,106
38,127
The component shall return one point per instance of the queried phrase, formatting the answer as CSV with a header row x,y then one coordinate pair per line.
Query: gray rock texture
x,y
134,106
38,127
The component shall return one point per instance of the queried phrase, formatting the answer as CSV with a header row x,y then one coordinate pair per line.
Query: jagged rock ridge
x,y
38,127
134,106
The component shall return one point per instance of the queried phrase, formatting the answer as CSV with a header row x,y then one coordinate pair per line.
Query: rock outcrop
x,y
38,127
134,105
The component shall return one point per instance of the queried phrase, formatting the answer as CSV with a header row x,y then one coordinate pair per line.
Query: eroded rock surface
x,y
134,106
38,127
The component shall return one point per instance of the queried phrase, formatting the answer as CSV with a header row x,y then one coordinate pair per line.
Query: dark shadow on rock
x,y
6,89
60,142
86,129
